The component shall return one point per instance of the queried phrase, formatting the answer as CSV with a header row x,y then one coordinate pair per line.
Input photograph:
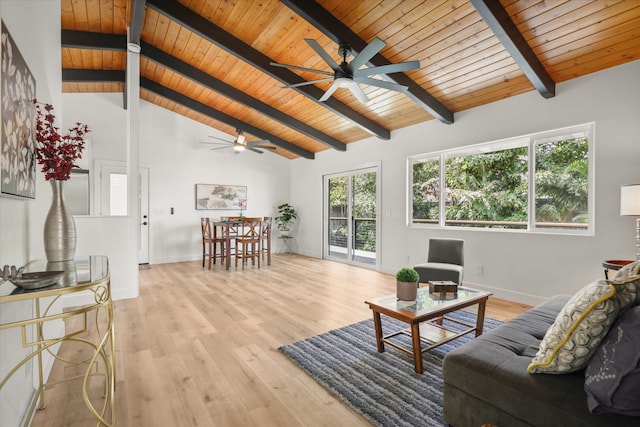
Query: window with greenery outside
x,y
490,185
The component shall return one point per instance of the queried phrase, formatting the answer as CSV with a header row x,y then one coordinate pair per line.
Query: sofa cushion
x,y
612,378
439,271
577,331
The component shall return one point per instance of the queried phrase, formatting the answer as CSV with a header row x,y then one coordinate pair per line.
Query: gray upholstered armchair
x,y
445,261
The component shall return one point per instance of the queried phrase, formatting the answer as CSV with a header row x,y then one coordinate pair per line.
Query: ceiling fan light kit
x,y
348,75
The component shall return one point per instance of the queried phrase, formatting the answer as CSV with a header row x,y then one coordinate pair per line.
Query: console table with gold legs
x,y
88,330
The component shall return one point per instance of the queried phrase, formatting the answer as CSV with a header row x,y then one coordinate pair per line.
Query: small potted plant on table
x,y
286,215
407,284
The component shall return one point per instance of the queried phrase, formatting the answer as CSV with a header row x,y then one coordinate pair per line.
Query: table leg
x,y
417,350
480,318
378,327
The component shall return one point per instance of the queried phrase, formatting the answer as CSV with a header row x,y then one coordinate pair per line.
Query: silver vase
x,y
59,227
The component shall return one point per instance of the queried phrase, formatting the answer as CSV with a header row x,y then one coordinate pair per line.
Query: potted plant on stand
x,y
407,284
286,215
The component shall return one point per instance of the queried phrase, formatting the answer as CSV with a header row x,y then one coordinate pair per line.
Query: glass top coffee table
x,y
425,315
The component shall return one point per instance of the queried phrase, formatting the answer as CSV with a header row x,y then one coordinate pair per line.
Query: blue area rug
x,y
382,387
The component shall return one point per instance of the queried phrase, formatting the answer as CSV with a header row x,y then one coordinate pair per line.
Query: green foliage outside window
x,y
562,186
364,210
426,190
489,187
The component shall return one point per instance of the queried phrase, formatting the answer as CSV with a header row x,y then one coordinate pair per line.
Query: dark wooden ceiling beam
x,y
208,111
97,41
216,35
506,31
204,79
330,26
92,76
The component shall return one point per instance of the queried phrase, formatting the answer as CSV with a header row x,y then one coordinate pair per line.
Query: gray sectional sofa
x,y
486,380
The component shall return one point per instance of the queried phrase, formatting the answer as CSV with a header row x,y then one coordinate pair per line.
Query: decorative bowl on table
x,y
36,280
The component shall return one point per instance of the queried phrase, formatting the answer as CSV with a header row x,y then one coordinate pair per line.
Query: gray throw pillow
x,y
612,377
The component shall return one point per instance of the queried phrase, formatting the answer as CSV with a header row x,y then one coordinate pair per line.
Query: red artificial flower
x,y
57,153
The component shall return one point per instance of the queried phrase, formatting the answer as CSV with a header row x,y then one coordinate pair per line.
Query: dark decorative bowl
x,y
36,280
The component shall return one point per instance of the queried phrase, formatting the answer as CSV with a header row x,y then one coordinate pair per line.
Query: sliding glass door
x,y
351,221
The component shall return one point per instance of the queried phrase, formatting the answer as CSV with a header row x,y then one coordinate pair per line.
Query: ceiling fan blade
x,y
254,150
264,147
295,67
258,142
329,92
323,54
367,53
310,82
387,69
214,143
221,148
220,139
359,93
381,84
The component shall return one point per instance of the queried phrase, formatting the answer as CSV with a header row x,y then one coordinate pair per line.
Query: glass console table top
x,y
82,271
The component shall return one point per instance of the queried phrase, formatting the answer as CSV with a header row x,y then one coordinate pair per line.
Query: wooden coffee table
x,y
425,315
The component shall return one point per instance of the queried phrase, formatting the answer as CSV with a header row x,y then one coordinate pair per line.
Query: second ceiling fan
x,y
349,74
241,144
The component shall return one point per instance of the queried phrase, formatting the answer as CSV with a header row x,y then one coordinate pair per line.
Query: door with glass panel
x,y
351,220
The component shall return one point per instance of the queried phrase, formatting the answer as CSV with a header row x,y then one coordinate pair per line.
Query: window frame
x,y
529,141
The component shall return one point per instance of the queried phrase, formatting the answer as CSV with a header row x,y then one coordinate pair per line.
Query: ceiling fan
x,y
241,144
348,75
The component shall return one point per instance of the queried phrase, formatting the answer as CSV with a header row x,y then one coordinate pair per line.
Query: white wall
x,y
106,118
37,35
524,267
170,146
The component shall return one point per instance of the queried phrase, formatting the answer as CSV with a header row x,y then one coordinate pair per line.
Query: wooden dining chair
x,y
210,244
265,240
234,228
248,243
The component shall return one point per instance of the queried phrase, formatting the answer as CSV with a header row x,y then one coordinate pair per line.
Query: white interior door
x,y
111,192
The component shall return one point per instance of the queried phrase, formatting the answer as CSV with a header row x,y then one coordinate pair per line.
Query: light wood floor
x,y
200,347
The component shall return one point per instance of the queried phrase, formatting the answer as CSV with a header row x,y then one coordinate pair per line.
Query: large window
x,y
538,182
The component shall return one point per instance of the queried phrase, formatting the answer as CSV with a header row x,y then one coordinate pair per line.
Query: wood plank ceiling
x,y
209,59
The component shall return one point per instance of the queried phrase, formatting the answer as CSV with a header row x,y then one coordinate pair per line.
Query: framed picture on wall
x,y
18,117
219,196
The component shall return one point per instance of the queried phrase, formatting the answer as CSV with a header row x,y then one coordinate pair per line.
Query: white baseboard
x,y
508,294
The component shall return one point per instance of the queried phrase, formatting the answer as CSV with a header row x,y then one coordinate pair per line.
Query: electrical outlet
x,y
408,258
479,270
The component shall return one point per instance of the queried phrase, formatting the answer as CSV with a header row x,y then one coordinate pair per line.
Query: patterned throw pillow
x,y
632,269
627,283
578,329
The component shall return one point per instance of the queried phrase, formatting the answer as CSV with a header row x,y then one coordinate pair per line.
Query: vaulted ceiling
x,y
209,60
